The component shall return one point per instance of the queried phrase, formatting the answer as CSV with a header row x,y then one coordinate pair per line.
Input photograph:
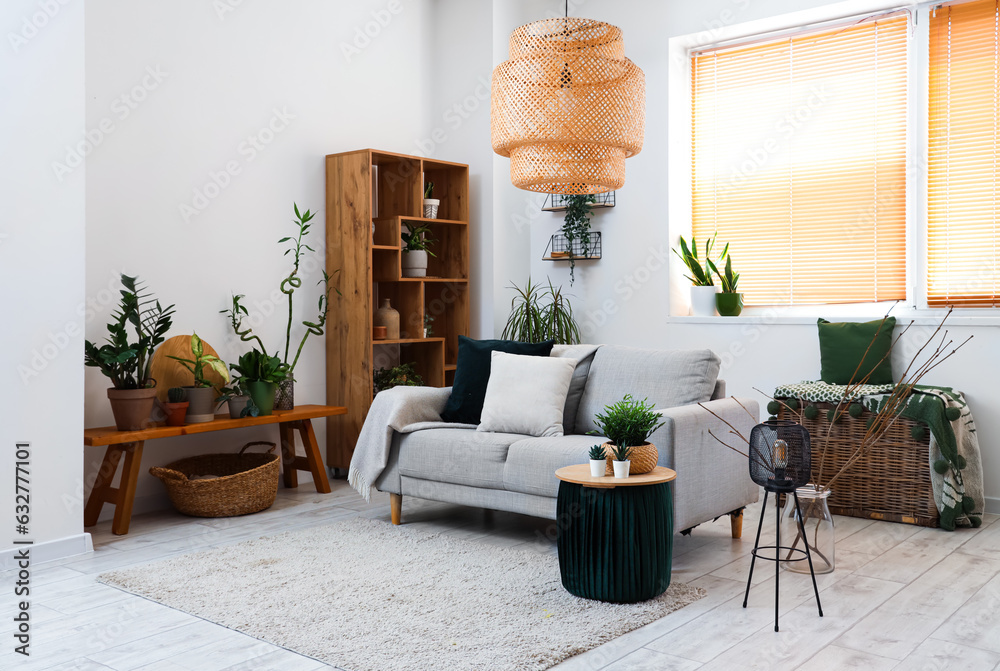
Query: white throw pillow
x,y
526,394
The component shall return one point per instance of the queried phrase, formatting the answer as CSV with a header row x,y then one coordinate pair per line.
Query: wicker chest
x,y
891,482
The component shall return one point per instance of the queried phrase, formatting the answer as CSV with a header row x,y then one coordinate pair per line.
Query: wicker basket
x,y
246,483
891,482
643,459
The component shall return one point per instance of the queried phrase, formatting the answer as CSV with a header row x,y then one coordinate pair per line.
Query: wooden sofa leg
x,y
396,508
736,523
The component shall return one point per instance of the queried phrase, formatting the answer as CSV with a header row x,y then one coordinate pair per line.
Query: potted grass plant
x,y
541,313
628,424
702,270
416,249
125,363
201,395
597,464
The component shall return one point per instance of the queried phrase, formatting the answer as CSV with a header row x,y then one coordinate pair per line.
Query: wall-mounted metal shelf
x,y
559,249
556,202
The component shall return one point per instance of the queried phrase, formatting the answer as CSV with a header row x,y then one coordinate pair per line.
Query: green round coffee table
x,y
615,534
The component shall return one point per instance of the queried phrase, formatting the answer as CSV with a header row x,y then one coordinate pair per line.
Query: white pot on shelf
x,y
414,263
597,467
703,301
431,206
621,468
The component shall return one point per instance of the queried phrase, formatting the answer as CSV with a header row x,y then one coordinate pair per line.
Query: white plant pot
x,y
621,468
703,301
597,467
431,206
415,263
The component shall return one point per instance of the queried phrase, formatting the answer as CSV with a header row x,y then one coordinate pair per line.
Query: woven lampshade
x,y
568,107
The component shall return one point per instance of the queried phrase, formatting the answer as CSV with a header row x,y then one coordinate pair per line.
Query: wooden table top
x,y
109,435
580,475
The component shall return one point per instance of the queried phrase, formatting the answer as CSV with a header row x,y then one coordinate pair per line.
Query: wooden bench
x,y
130,443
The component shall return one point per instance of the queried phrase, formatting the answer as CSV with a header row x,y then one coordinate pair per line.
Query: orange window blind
x,y
962,156
799,161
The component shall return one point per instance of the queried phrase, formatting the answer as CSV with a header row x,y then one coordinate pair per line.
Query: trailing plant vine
x,y
576,227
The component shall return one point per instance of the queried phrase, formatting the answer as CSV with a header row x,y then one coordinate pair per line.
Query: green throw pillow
x,y
472,373
842,347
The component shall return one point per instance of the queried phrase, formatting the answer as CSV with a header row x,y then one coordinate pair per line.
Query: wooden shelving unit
x,y
358,185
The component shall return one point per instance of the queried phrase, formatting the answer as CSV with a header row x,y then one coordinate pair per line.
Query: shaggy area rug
x,y
369,596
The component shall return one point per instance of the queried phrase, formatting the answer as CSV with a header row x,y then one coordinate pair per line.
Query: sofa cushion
x,y
584,356
848,351
458,456
532,463
526,394
472,373
667,378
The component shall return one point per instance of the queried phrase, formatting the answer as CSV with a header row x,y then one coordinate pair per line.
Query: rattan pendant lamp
x,y
568,108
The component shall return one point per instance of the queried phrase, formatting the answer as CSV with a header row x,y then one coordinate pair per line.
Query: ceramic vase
x,y
388,317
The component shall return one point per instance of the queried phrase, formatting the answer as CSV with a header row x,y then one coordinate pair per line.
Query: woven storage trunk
x,y
891,482
246,483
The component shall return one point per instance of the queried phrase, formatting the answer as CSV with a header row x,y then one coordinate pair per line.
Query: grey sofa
x,y
516,473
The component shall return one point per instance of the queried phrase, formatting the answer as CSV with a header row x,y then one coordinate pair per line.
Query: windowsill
x,y
808,316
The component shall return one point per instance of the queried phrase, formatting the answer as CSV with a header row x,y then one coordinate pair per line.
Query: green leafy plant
x,y
729,280
621,453
237,388
576,226
403,375
541,313
127,363
416,239
257,366
293,282
429,190
176,395
197,366
596,452
236,313
628,423
701,275
428,325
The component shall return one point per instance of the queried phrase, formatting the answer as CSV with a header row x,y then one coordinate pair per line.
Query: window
x,y
962,156
799,161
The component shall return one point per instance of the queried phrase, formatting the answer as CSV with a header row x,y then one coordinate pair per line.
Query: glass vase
x,y
818,523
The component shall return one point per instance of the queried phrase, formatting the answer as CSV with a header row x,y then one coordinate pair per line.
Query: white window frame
x,y
679,164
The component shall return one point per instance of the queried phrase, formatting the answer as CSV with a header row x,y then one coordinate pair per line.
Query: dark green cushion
x,y
842,347
472,373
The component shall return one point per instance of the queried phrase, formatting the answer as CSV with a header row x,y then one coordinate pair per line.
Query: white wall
x,y
624,297
41,270
220,79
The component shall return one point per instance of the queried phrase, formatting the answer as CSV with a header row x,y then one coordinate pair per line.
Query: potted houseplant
x,y
176,406
240,403
728,302
261,375
403,375
201,395
431,205
576,229
428,326
416,248
127,363
703,288
539,313
597,464
622,464
629,424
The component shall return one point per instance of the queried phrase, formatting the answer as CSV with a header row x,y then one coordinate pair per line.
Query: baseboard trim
x,y
993,505
59,548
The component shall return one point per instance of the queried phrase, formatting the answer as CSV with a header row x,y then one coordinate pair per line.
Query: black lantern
x,y
780,462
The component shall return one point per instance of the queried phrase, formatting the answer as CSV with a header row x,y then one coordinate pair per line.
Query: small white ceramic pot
x,y
703,301
621,468
597,468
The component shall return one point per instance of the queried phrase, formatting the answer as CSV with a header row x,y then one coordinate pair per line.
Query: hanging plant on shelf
x,y
576,227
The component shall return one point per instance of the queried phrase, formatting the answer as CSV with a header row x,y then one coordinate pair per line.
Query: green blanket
x,y
953,455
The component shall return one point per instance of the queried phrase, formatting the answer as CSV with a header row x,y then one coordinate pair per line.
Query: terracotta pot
x,y
379,333
262,394
202,404
131,407
642,459
729,305
284,399
176,413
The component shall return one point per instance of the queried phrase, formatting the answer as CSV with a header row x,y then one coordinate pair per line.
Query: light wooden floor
x,y
902,597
